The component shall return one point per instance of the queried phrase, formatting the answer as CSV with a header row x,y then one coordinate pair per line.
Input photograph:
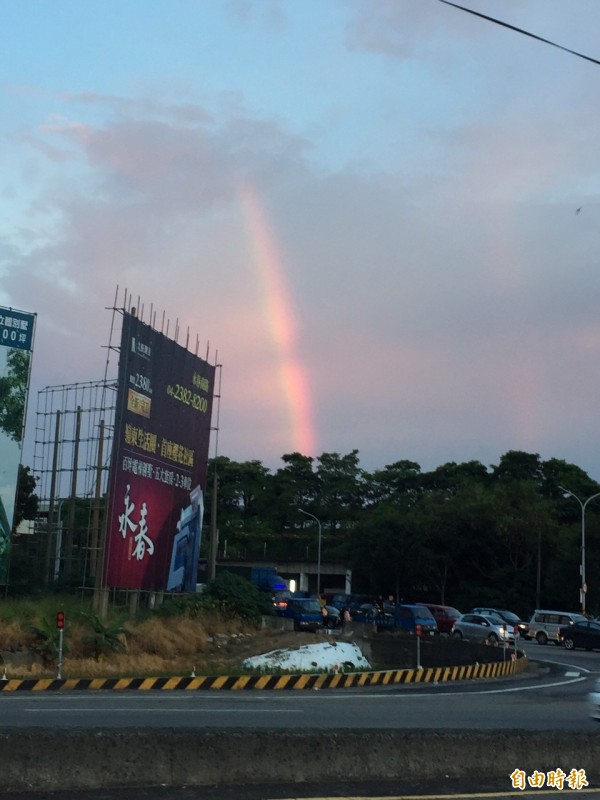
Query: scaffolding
x,y
74,436
72,449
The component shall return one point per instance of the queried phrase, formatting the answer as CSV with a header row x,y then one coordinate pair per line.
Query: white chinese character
x,y
142,540
125,522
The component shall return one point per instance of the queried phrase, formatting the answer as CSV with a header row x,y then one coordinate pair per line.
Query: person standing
x,y
345,617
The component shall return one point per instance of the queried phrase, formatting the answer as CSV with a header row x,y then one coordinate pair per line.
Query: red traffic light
x,y
60,620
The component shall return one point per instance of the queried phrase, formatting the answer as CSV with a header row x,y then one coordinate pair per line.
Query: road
x,y
552,699
549,699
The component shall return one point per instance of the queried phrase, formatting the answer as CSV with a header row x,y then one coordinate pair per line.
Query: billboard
x,y
16,343
159,462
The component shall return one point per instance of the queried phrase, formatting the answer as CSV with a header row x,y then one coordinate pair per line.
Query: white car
x,y
594,701
483,628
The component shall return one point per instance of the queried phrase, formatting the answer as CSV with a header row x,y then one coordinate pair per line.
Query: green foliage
x,y
46,643
183,605
107,637
32,609
13,389
27,501
234,596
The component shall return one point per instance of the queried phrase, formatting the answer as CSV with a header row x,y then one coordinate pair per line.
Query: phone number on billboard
x,y
196,401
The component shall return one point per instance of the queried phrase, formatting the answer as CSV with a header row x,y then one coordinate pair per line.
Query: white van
x,y
544,625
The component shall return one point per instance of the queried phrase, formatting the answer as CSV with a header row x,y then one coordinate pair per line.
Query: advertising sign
x,y
16,343
159,463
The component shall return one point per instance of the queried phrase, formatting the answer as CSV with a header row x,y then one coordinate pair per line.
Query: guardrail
x,y
329,680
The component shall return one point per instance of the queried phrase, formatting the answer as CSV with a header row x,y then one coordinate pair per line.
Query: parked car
x,y
483,628
594,701
544,625
281,599
405,617
508,616
340,601
580,634
445,616
359,601
305,611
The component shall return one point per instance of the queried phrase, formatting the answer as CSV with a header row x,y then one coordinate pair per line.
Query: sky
x,y
380,217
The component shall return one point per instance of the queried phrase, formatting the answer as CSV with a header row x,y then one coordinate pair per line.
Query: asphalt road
x,y
551,697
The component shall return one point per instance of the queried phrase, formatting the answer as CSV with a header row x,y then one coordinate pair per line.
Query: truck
x,y
264,577
267,580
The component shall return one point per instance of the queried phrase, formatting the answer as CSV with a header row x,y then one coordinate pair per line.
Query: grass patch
x,y
146,646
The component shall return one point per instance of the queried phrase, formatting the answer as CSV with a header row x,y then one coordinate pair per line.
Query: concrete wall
x,y
86,759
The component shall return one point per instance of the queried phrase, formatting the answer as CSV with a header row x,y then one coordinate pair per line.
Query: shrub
x,y
106,637
234,596
46,642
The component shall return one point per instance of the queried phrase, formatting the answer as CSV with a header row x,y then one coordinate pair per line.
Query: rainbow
x,y
281,321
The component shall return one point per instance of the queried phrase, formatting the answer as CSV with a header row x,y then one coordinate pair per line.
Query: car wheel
x,y
569,643
457,635
493,639
541,638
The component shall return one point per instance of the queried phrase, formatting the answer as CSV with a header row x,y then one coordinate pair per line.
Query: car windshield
x,y
309,605
423,615
509,616
495,620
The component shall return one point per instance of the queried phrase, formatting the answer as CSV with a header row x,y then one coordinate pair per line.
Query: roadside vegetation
x,y
201,633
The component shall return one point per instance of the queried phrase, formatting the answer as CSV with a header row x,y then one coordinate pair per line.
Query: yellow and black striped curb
x,y
338,680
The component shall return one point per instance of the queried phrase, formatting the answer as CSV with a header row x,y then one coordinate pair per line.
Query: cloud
x,y
443,289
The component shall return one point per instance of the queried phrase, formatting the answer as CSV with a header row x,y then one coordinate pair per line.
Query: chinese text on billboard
x,y
159,462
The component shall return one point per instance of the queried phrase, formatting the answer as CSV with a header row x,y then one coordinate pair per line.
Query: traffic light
x,y
60,620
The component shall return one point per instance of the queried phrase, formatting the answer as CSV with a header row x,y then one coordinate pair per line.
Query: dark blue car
x,y
404,617
305,611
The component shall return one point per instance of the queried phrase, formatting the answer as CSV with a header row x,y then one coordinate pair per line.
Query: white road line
x,y
165,710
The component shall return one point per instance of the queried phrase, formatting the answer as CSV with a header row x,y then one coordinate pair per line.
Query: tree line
x,y
462,534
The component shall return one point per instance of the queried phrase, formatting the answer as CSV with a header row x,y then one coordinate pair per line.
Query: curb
x,y
337,680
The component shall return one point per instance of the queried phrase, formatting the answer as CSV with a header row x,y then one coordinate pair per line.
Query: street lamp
x,y
583,590
318,550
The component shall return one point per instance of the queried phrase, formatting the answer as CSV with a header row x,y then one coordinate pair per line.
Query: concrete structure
x,y
335,576
102,759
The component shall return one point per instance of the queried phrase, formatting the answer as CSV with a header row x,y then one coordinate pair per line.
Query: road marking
x,y
169,710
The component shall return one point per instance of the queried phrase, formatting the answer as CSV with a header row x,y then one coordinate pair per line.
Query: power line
x,y
520,30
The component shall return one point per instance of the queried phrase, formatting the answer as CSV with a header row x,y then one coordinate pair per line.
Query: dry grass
x,y
157,646
14,636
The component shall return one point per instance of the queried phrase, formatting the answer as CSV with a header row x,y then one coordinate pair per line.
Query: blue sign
x,y
16,328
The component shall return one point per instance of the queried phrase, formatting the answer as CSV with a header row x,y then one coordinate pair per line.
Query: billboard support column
x,y
49,542
214,531
96,551
71,524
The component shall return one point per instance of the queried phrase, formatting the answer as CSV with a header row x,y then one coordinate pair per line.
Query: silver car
x,y
594,701
483,628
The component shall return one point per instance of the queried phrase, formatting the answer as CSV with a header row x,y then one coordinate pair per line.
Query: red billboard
x,y
159,462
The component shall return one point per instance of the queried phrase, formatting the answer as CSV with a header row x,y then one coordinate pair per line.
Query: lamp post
x,y
312,516
583,589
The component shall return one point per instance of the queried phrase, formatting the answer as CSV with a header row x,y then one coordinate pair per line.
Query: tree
x,y
294,486
26,505
13,390
341,489
399,483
